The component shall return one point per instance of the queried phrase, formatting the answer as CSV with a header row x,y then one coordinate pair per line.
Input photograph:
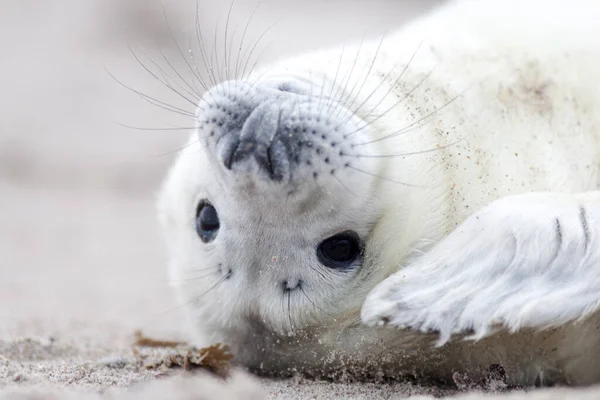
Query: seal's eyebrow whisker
x,y
412,153
400,76
154,101
425,119
382,82
350,75
341,90
367,75
335,77
386,178
396,104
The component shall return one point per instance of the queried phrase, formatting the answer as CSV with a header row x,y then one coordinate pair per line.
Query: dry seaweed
x,y
141,340
169,355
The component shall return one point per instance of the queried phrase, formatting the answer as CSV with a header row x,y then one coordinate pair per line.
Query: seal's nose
x,y
259,143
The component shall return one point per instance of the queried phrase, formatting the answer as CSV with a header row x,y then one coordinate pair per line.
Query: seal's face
x,y
279,217
269,214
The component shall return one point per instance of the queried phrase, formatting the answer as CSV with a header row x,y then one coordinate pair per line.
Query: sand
x,y
81,261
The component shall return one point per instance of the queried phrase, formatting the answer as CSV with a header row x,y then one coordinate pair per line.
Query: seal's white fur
x,y
490,100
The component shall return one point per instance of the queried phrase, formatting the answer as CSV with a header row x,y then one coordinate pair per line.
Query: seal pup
x,y
418,206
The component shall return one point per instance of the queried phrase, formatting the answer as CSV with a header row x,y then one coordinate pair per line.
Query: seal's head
x,y
279,212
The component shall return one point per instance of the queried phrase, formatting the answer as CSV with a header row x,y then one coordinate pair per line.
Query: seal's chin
x,y
345,352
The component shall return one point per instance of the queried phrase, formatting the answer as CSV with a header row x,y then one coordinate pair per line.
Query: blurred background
x,y
80,252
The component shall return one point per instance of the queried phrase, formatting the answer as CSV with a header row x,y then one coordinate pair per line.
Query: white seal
x,y
361,212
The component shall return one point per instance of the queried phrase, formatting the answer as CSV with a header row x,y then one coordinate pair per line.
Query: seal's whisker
x,y
172,109
344,186
335,77
238,59
230,68
227,60
312,302
193,70
214,55
258,58
413,153
213,287
154,101
196,298
167,79
381,83
289,309
396,104
166,153
256,81
193,279
192,90
252,49
321,97
203,53
163,82
143,128
397,80
426,118
367,75
218,266
349,95
386,178
343,90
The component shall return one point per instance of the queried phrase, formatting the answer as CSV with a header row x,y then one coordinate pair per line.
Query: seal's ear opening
x,y
207,221
340,251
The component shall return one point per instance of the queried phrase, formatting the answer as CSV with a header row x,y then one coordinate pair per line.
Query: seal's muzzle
x,y
263,142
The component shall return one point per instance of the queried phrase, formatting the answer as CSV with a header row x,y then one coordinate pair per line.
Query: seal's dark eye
x,y
339,251
207,221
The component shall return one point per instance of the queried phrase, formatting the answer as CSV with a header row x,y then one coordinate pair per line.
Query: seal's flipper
x,y
525,261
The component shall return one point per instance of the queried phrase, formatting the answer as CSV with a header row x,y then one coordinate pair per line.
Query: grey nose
x,y
260,143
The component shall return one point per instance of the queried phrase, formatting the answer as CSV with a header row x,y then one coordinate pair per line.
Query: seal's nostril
x,y
230,152
259,142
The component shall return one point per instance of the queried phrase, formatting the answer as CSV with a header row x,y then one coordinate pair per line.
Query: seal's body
x,y
440,181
